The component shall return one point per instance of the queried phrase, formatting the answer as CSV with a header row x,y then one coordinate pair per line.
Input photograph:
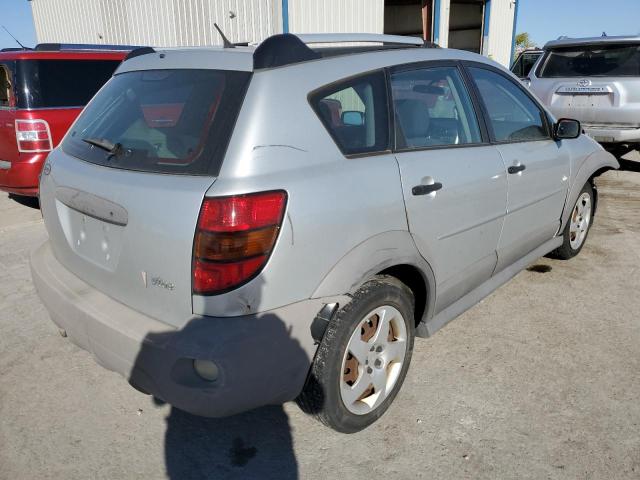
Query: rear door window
x,y
355,113
433,108
61,83
512,115
163,121
592,61
5,86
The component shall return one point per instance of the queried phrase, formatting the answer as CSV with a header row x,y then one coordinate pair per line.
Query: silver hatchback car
x,y
596,81
241,226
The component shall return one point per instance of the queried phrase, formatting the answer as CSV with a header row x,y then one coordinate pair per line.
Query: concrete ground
x,y
540,380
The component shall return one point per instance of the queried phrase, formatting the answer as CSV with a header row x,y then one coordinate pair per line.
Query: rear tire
x,y
363,357
578,225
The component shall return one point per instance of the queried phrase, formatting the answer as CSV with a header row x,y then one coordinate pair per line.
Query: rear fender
x,y
373,256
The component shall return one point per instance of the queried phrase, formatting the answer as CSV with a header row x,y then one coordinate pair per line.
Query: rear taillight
x,y
234,239
33,136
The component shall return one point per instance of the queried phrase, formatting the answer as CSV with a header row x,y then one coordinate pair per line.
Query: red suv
x,y
42,91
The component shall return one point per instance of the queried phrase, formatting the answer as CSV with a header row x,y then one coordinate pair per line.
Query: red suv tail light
x,y
234,238
33,136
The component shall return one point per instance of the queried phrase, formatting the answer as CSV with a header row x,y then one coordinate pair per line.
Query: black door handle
x,y
516,168
426,189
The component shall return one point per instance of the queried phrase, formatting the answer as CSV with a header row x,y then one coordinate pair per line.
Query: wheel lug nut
x,y
369,370
379,349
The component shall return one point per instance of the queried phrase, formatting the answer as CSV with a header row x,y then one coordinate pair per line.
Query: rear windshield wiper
x,y
104,144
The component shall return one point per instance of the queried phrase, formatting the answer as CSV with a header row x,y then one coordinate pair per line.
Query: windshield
x,y
61,83
592,61
163,121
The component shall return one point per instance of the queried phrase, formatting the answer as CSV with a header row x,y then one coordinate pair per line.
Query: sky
x,y
16,16
548,19
543,19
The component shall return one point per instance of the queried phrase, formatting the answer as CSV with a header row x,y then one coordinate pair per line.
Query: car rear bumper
x,y
259,360
606,134
21,177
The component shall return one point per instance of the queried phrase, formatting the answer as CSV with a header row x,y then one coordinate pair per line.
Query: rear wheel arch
x,y
413,278
390,253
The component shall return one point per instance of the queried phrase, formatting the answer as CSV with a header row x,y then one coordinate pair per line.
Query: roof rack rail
x,y
360,38
282,49
286,49
56,47
15,49
139,51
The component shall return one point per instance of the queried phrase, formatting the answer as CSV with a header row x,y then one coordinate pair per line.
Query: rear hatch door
x,y
123,192
598,84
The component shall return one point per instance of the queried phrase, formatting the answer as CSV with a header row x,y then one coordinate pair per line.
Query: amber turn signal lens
x,y
233,246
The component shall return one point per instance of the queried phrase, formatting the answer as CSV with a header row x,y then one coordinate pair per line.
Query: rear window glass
x,y
61,83
592,61
163,121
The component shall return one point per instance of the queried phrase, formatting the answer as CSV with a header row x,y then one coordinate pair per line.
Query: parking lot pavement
x,y
540,380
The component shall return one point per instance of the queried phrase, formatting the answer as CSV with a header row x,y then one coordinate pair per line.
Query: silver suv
x,y
234,227
597,81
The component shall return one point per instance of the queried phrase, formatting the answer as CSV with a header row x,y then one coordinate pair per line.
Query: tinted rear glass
x,y
61,83
592,61
162,121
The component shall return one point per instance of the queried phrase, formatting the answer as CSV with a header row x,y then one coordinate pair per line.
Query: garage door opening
x,y
467,21
466,24
409,17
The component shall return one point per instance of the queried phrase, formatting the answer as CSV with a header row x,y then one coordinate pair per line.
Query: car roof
x,y
288,49
604,40
63,55
62,51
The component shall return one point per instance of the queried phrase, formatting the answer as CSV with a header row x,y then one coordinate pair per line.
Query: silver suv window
x,y
354,112
162,121
433,108
512,115
592,61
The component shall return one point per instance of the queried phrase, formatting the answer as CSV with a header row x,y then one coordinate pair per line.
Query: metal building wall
x,y
155,22
501,30
336,16
190,22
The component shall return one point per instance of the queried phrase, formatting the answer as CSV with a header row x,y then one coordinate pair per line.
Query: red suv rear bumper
x,y
21,178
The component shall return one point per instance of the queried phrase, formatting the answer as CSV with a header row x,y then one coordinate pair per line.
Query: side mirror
x,y
567,129
353,118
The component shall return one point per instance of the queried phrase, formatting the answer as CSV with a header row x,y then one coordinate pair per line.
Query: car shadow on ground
x,y
260,362
31,202
257,444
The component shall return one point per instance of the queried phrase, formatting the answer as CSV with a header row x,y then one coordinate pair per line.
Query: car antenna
x,y
225,41
17,41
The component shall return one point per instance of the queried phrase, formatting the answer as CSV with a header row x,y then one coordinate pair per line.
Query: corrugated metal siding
x,y
190,22
501,30
336,16
155,22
